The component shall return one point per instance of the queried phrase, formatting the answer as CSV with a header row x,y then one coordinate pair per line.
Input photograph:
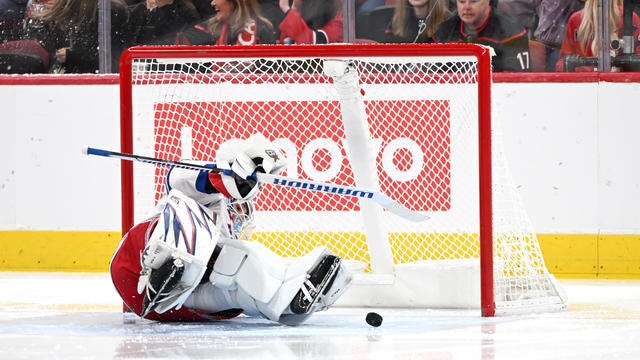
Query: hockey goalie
x,y
192,261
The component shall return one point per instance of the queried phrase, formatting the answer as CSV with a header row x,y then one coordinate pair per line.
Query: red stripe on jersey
x,y
523,33
505,40
216,181
202,29
486,21
513,37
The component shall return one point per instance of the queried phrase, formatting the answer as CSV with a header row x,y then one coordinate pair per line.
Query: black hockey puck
x,y
374,319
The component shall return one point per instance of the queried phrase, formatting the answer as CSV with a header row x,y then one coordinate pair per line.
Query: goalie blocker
x,y
186,263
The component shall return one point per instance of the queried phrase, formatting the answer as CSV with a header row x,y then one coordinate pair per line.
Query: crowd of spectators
x,y
63,34
478,22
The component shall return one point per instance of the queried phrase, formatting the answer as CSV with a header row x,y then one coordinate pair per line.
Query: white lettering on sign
x,y
334,165
417,159
336,157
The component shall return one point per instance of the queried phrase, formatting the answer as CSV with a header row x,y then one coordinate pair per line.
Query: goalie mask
x,y
177,253
241,214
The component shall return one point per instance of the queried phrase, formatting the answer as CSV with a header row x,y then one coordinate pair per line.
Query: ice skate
x,y
318,283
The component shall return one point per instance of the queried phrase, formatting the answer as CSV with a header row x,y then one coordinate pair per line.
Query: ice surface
x,y
78,316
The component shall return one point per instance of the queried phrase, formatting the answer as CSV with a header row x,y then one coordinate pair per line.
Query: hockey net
x,y
411,128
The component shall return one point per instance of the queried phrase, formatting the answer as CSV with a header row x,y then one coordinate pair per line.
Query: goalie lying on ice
x,y
192,262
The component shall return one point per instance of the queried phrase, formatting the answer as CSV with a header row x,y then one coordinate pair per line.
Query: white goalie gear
x,y
247,276
243,158
177,253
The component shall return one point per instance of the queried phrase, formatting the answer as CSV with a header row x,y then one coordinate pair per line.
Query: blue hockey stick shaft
x,y
362,193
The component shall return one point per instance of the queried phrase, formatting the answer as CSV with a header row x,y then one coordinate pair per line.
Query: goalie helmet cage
x,y
411,120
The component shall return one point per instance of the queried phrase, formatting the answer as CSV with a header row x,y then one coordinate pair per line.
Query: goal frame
x,y
481,53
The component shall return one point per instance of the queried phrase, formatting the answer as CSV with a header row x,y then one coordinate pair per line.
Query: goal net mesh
x,y
421,115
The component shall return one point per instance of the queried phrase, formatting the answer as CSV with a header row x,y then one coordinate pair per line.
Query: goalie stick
x,y
362,193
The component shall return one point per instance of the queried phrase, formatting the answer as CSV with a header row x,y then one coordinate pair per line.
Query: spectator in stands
x,y
270,9
415,21
582,37
237,22
367,6
68,30
156,22
524,11
453,5
12,10
311,22
12,14
552,21
204,9
477,22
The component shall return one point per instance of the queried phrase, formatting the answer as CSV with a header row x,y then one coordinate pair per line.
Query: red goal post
x,y
191,99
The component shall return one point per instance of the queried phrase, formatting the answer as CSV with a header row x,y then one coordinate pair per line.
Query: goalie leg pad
x,y
295,274
318,282
210,298
326,282
251,266
262,283
335,289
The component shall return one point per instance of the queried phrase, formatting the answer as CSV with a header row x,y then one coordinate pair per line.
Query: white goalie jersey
x,y
192,261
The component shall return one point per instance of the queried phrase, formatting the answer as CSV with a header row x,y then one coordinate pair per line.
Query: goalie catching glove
x,y
243,158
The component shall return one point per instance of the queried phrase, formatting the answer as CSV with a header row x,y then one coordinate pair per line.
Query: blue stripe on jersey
x,y
201,180
166,180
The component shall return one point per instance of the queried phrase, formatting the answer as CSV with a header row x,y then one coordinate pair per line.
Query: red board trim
x,y
51,79
113,79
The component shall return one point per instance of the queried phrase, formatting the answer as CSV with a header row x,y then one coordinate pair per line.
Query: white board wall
x,y
572,148
45,181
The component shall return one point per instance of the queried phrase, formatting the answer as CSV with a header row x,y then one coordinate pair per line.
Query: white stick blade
x,y
398,209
